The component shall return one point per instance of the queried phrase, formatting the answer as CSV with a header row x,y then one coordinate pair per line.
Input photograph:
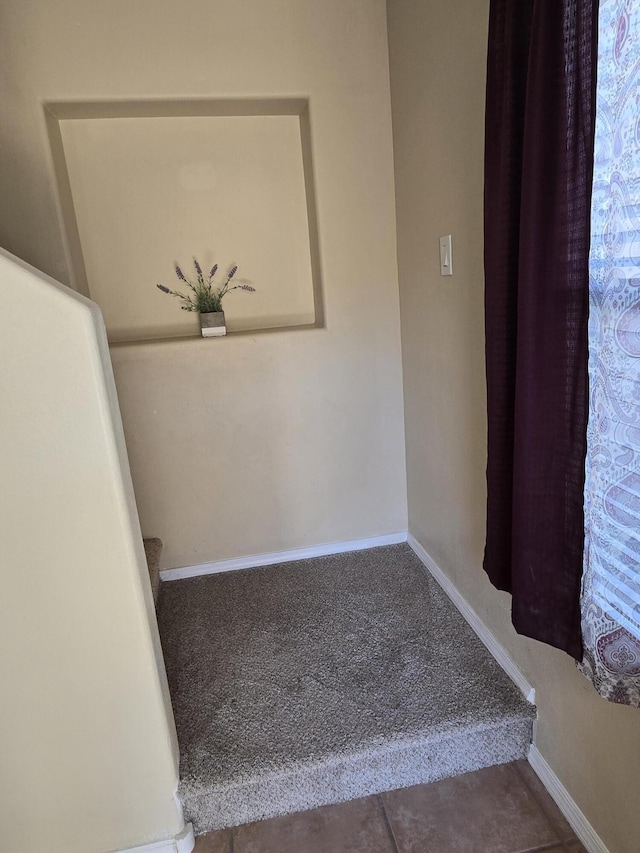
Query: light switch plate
x,y
446,260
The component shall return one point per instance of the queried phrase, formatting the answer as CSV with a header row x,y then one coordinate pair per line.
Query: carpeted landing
x,y
323,680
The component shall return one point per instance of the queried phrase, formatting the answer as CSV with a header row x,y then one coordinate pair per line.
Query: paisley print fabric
x,y
611,580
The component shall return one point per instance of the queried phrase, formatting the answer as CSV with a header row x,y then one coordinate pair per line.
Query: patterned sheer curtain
x,y
611,580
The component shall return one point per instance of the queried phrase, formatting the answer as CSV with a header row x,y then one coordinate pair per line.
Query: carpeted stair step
x,y
152,550
320,681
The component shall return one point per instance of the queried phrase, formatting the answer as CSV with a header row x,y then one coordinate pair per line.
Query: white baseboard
x,y
565,802
256,560
183,843
567,805
496,650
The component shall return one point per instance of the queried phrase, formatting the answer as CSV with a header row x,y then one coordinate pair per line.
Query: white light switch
x,y
446,261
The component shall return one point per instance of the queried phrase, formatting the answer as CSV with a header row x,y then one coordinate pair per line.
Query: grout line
x,y
231,834
544,808
387,824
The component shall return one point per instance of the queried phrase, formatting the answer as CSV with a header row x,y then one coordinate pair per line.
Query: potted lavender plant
x,y
206,298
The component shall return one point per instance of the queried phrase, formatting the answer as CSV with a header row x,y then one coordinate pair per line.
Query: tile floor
x,y
502,809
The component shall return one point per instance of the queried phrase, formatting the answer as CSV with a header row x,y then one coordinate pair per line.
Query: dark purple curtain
x,y
540,122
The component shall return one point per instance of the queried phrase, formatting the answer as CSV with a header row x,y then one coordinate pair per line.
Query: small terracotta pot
x,y
212,325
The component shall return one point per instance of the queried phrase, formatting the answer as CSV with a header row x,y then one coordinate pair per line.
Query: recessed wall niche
x,y
146,185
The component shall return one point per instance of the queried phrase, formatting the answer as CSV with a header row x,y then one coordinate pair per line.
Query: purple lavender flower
x,y
197,266
233,271
179,273
214,270
247,287
163,288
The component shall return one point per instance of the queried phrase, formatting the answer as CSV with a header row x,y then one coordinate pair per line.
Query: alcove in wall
x,y
144,185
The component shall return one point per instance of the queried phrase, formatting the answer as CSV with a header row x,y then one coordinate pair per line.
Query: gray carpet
x,y
152,551
319,681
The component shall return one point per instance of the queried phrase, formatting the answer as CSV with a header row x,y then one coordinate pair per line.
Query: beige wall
x,y
89,757
437,58
263,442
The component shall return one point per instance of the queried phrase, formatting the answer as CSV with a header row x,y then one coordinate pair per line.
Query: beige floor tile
x,y
489,811
355,827
214,842
553,813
